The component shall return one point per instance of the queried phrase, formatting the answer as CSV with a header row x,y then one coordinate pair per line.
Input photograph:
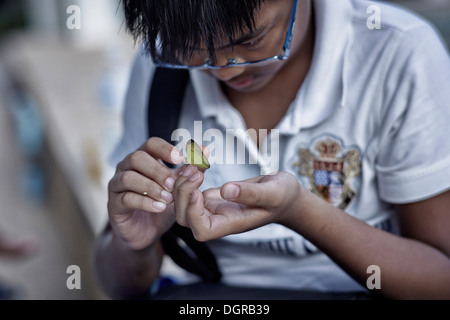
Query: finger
x,y
254,179
206,151
210,217
187,182
161,149
137,183
198,217
148,166
251,194
189,179
185,173
126,201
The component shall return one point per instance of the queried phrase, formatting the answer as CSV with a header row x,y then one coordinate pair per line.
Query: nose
x,y
228,73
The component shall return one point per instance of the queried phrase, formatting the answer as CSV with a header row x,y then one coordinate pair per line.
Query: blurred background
x,y
64,67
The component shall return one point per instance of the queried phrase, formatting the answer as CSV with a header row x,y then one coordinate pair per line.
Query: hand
x,y
140,204
236,207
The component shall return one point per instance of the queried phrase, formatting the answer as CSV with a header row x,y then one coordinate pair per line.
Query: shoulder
x,y
398,49
142,69
374,21
135,107
139,82
391,15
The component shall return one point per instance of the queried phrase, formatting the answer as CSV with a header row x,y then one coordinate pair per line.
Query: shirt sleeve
x,y
135,109
413,161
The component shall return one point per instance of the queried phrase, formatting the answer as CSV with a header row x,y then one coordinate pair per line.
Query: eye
x,y
253,43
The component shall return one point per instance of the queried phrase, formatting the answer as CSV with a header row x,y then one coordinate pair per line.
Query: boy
x,y
358,115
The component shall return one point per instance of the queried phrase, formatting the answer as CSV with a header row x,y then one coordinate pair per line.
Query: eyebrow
x,y
254,34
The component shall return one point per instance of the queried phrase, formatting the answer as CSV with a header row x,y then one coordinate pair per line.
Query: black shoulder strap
x,y
164,108
165,101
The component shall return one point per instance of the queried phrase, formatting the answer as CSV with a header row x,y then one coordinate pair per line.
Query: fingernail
x,y
232,191
176,156
188,171
170,182
194,197
166,196
159,205
195,177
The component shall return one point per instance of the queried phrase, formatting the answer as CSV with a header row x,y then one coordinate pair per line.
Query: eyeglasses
x,y
233,63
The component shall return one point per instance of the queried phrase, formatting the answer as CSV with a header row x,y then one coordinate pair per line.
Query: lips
x,y
240,83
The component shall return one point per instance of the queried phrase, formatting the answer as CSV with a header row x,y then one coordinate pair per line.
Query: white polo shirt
x,y
368,129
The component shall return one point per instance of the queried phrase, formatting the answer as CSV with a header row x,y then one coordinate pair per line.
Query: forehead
x,y
214,28
270,14
270,9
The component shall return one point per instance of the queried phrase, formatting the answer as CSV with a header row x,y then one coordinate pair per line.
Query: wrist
x,y
304,211
131,271
309,215
294,211
133,247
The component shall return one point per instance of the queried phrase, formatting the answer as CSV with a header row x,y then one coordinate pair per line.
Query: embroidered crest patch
x,y
330,170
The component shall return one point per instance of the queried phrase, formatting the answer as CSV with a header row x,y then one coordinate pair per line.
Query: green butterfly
x,y
195,156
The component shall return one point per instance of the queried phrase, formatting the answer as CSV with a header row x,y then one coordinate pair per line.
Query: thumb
x,y
249,193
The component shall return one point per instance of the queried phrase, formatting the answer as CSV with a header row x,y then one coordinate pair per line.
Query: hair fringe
x,y
174,28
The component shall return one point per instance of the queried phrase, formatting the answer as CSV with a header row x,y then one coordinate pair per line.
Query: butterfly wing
x,y
195,156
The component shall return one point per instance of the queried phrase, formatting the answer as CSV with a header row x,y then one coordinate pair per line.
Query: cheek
x,y
262,75
266,75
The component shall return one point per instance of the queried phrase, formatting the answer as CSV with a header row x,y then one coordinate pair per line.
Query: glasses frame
x,y
232,62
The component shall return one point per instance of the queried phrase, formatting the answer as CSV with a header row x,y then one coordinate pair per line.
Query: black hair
x,y
173,29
